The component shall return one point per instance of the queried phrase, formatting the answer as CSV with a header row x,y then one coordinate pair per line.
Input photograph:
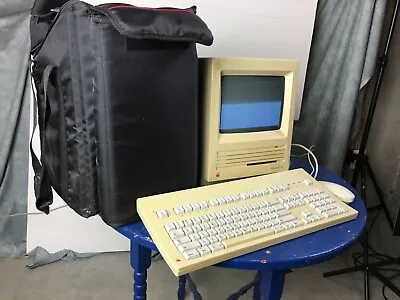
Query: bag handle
x,y
42,185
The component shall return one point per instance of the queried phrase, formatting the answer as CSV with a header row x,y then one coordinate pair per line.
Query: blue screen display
x,y
251,103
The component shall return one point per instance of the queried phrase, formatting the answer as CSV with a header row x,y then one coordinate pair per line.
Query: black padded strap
x,y
42,185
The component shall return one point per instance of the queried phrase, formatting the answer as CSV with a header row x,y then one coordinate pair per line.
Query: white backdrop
x,y
258,28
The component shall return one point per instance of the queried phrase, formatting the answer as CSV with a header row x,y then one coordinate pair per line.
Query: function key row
x,y
180,210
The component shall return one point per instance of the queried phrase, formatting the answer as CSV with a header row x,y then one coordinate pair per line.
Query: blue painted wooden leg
x,y
182,287
257,285
271,284
140,262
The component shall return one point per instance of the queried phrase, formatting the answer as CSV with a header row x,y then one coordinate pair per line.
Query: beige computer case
x,y
238,155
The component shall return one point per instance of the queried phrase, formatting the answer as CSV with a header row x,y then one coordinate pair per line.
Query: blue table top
x,y
303,251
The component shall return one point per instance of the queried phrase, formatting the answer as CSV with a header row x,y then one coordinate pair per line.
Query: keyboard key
x,y
297,223
187,230
214,202
169,227
260,226
219,214
261,204
228,220
205,226
203,204
219,230
305,221
204,250
221,222
196,228
216,247
179,210
282,213
162,214
259,219
221,237
248,208
253,228
221,201
227,213
307,182
278,207
211,232
235,197
228,199
195,206
278,228
187,208
211,217
245,230
242,216
287,218
204,242
203,234
196,221
273,202
179,224
251,214
227,228
188,223
258,213
229,234
212,239
234,211
252,194
267,224
243,224
191,254
194,236
235,226
182,240
237,232
238,218
177,233
204,218
275,222
213,224
248,238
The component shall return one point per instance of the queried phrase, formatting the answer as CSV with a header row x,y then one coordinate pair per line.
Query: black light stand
x,y
362,168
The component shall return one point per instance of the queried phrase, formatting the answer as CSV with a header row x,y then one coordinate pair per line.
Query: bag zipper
x,y
149,8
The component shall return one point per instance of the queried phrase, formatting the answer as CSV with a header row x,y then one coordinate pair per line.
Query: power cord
x,y
33,213
309,152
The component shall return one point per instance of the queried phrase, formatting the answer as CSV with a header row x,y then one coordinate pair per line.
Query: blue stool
x,y
271,263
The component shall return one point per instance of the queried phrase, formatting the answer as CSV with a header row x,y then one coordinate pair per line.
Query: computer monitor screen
x,y
251,103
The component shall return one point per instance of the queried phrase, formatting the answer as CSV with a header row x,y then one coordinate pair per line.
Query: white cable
x,y
311,164
33,213
313,156
309,159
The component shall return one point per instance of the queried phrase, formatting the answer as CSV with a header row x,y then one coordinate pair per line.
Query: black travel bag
x,y
116,93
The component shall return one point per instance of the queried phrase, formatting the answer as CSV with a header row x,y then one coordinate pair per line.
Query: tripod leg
x,y
365,239
343,271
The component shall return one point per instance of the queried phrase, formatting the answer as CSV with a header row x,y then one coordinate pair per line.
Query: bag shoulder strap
x,y
42,185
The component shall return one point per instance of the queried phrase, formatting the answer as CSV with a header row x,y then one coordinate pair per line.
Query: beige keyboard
x,y
200,227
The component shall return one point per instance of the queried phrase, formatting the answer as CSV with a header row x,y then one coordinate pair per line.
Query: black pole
x,y
382,66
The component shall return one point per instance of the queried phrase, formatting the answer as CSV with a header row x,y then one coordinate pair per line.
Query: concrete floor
x,y
109,276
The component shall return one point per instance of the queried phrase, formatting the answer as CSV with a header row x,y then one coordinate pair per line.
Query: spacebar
x,y
248,238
